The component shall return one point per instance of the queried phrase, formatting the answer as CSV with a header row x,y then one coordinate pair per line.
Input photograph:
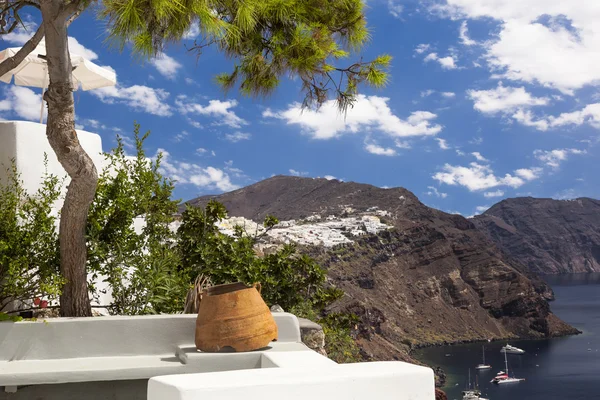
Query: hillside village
x,y
314,230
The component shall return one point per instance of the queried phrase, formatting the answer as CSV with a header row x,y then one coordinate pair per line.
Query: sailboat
x,y
511,349
472,394
503,377
483,365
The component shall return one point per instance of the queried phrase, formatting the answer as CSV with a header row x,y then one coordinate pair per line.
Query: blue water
x,y
556,369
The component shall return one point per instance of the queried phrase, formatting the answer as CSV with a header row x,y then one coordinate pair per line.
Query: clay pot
x,y
234,317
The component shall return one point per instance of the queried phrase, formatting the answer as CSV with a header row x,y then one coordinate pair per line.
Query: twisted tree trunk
x,y
60,129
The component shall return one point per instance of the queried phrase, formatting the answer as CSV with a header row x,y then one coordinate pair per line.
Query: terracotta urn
x,y
234,317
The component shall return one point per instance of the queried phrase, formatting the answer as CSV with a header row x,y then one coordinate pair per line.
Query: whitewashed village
x,y
314,230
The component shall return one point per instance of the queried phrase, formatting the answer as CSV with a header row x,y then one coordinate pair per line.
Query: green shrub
x,y
140,267
339,344
29,257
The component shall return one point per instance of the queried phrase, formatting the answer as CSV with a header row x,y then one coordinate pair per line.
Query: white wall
x,y
26,142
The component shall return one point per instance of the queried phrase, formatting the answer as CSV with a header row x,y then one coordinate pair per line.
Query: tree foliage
x,y
29,259
267,39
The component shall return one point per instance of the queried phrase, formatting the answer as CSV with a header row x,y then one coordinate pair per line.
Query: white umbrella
x,y
33,71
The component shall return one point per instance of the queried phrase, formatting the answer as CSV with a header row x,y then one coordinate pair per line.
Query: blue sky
x,y
488,99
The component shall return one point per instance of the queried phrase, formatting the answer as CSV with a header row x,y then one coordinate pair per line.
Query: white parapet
x,y
392,380
66,350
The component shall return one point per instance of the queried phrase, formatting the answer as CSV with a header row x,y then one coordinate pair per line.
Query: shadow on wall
x,y
118,390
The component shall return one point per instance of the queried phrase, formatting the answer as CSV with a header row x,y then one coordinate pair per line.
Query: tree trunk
x,y
60,129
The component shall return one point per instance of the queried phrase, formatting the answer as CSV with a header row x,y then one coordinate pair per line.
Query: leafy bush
x,y
130,242
339,344
29,257
287,277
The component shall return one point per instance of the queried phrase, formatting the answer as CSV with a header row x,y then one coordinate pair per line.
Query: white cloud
x,y
193,123
555,43
525,117
528,174
589,115
374,148
476,141
368,113
138,97
94,123
76,48
24,102
330,177
237,136
21,34
193,32
553,158
476,177
422,48
464,35
434,192
402,144
504,99
167,66
237,172
479,157
442,143
395,8
481,209
184,173
218,109
497,193
447,62
297,173
446,95
201,150
180,136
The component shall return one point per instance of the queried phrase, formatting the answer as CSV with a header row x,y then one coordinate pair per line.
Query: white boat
x,y
472,394
483,365
503,377
511,349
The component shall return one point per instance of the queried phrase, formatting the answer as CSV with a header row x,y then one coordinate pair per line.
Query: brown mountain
x,y
547,236
433,278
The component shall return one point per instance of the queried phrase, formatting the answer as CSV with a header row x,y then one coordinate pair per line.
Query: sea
x,y
565,368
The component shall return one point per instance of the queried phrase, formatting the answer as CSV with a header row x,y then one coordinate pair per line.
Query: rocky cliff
x,y
547,236
429,278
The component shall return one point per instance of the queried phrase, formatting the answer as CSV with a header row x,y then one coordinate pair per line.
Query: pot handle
x,y
257,286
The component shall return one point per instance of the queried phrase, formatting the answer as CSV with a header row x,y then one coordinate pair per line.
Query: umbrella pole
x,y
42,108
43,88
